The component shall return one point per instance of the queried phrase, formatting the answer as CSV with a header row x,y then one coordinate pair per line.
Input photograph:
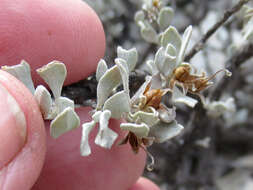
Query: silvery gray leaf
x,y
101,69
156,82
148,33
185,40
165,17
179,97
118,104
54,74
140,130
160,58
44,100
248,13
22,72
170,62
237,179
96,116
110,80
139,16
167,115
64,122
152,69
84,146
204,143
170,51
145,117
171,36
248,31
217,108
141,90
124,72
244,162
63,102
147,4
105,137
165,131
165,60
130,56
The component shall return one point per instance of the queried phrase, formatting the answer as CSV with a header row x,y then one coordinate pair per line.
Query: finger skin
x,y
44,30
144,184
117,168
24,169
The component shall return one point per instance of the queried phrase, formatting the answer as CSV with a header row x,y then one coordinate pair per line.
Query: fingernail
x,y
12,127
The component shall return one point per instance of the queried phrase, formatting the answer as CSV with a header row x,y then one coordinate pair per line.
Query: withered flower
x,y
153,97
192,83
156,3
135,142
149,106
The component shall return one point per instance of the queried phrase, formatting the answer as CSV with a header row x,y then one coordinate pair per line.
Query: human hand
x,y
41,31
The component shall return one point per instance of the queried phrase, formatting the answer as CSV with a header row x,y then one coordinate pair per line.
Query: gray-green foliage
x,y
147,119
248,23
142,120
60,109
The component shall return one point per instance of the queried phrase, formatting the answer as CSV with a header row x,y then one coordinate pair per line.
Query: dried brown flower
x,y
192,83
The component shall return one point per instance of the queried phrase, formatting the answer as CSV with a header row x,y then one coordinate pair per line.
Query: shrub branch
x,y
200,44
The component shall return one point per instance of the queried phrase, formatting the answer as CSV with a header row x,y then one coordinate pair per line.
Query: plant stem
x,y
200,44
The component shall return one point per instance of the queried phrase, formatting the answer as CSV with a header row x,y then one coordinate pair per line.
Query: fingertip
x,y
43,30
144,184
23,169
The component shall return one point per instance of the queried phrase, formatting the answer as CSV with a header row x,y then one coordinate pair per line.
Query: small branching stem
x,y
200,44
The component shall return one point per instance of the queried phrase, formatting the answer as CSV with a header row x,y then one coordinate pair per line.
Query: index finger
x,y
43,30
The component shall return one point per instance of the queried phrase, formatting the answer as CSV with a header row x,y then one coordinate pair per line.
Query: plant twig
x,y
200,44
233,63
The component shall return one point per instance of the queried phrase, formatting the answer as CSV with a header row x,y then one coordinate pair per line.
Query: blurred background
x,y
211,153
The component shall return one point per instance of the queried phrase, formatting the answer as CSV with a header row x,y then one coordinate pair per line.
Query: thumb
x,y
22,134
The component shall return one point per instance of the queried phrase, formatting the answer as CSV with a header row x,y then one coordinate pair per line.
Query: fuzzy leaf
x,y
156,82
167,115
140,130
141,90
86,129
110,80
237,179
164,131
101,69
165,60
165,17
22,72
152,69
54,74
63,102
145,117
64,122
248,30
105,137
185,40
217,108
171,36
139,16
44,100
118,104
148,33
179,97
96,116
130,56
124,72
